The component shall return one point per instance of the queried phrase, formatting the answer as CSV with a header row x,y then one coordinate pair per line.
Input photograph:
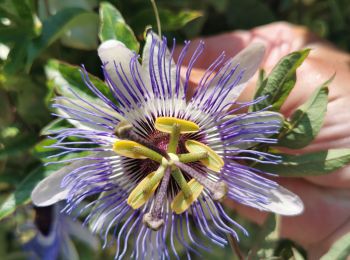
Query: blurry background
x,y
33,32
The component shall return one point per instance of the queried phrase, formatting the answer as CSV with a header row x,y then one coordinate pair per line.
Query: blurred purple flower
x,y
160,164
51,235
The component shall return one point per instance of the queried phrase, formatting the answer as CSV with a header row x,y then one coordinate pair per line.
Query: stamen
x,y
217,189
181,203
145,189
124,130
134,150
166,124
192,157
213,161
154,218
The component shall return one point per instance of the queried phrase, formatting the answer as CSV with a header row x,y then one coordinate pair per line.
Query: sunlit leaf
x,y
280,82
306,121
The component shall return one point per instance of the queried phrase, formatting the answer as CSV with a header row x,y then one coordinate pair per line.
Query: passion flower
x,y
161,163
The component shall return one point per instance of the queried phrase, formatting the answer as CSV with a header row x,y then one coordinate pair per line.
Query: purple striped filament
x,y
141,95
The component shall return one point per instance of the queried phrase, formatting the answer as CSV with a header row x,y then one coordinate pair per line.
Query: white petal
x,y
79,113
284,202
273,121
248,60
114,53
153,39
49,190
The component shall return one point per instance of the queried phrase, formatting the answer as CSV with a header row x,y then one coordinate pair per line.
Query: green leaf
x,y
24,11
16,58
41,151
173,21
66,76
169,19
83,32
307,120
113,26
277,86
269,230
310,164
53,28
339,250
16,145
22,193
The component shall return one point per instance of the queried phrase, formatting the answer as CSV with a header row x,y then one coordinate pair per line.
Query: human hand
x,y
327,198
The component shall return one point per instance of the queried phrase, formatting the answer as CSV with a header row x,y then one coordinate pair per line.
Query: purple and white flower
x,y
160,163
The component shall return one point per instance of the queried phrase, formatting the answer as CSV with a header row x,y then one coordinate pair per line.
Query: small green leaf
x,y
173,21
113,26
310,164
307,120
169,19
268,229
53,28
339,250
277,86
22,193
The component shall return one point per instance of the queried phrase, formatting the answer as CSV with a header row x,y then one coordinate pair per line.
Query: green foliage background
x,y
34,32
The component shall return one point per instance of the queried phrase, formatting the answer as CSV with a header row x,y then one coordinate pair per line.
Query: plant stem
x,y
155,9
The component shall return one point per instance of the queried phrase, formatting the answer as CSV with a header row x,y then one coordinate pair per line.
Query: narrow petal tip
x,y
285,203
47,193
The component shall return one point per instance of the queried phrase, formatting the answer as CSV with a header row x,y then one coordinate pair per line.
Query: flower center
x,y
163,149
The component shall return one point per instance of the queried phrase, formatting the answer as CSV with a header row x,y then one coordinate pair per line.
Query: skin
x,y
327,198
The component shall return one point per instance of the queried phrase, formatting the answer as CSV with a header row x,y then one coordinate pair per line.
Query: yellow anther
x,y
213,161
165,124
145,189
127,148
180,203
135,150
